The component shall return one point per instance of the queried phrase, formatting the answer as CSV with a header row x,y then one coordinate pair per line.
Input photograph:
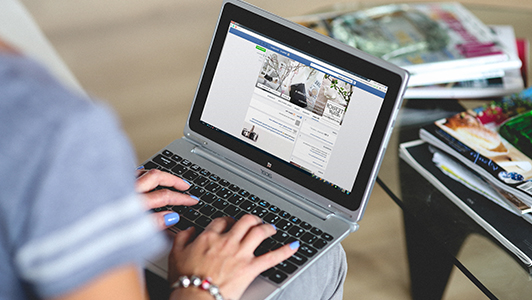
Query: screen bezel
x,y
315,48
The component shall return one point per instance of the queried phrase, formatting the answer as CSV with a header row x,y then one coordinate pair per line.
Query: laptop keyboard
x,y
218,198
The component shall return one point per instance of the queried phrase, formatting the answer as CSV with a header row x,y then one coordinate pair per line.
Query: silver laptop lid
x,y
296,108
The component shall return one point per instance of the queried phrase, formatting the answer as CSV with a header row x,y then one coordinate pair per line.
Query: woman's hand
x,y
149,180
224,252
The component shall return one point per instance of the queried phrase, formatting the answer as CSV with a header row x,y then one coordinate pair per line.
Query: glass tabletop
x,y
480,257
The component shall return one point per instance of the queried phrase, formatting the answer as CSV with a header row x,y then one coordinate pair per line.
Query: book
x,y
494,140
511,81
512,232
437,42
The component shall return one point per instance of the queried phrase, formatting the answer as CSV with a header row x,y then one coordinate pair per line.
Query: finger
x,y
183,238
257,235
243,226
272,258
166,219
220,225
154,178
163,197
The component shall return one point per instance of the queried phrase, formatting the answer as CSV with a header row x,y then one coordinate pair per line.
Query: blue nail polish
x,y
294,245
274,227
171,219
194,197
140,168
186,182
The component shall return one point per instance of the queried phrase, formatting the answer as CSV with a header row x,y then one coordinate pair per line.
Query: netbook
x,y
286,124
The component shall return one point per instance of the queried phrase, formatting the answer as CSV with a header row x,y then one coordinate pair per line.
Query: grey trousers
x,y
323,280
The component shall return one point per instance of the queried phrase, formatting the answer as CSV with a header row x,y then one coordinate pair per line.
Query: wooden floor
x,y
144,58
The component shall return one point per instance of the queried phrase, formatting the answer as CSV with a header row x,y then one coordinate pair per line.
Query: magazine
x,y
511,231
506,83
436,42
494,140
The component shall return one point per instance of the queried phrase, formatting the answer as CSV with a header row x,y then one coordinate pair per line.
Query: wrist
x,y
195,283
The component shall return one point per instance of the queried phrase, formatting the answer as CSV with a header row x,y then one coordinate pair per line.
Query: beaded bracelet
x,y
195,281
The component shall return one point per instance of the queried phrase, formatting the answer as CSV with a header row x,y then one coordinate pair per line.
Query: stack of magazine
x,y
448,51
481,159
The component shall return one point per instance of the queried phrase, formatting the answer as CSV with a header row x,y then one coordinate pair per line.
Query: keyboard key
x,y
167,153
207,210
195,168
232,210
305,225
163,161
264,203
284,214
296,231
203,221
271,218
191,214
234,188
244,193
220,204
298,259
176,157
253,198
197,191
268,272
278,276
327,236
209,197
295,220
307,250
236,199
224,193
247,205
274,209
280,236
223,182
212,187
189,175
308,238
319,244
214,177
259,212
316,231
283,225
186,163
287,267
150,165
179,169
201,181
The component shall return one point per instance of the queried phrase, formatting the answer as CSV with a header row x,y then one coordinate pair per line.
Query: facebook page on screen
x,y
300,109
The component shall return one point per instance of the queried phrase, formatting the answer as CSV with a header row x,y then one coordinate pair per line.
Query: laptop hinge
x,y
316,210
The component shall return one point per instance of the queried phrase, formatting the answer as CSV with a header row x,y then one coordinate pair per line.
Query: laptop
x,y
286,124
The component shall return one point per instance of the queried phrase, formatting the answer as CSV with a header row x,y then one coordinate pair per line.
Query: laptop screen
x,y
292,106
296,113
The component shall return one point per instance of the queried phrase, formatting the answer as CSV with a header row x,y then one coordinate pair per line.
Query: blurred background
x,y
144,58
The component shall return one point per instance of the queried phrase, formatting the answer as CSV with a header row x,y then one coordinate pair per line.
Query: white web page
x,y
282,105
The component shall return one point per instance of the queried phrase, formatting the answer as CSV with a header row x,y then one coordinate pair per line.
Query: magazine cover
x,y
425,38
495,140
512,231
505,83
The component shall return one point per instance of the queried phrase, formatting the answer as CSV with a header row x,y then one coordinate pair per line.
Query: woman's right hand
x,y
224,253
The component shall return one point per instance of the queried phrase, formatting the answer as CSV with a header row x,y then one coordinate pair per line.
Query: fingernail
x,y
294,245
140,168
186,182
194,197
171,219
274,227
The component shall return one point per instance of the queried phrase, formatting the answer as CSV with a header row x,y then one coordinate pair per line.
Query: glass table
x,y
440,235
